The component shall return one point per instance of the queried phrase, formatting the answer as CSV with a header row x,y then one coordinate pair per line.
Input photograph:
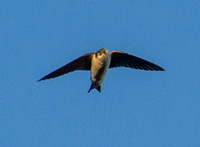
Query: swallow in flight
x,y
98,63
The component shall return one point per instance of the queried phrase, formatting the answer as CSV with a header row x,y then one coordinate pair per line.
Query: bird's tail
x,y
93,86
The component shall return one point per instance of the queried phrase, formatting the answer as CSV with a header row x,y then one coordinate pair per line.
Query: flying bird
x,y
98,63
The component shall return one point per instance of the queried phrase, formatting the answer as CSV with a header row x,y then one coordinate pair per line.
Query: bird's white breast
x,y
100,64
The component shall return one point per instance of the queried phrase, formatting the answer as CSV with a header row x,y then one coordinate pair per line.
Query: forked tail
x,y
93,87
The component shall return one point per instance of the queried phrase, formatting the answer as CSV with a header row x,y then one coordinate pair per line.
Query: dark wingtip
x,y
41,79
46,77
162,69
158,68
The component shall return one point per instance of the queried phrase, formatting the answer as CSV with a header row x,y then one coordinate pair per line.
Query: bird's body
x,y
98,63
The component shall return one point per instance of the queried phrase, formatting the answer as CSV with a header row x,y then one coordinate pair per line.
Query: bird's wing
x,y
81,63
119,58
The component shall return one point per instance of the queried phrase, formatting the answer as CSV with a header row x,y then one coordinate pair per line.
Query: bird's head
x,y
101,52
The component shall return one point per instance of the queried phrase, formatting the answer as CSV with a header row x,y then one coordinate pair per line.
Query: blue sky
x,y
135,108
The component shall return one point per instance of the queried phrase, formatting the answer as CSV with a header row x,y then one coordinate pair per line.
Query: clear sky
x,y
135,108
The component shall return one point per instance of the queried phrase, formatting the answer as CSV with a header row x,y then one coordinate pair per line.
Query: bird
x,y
98,63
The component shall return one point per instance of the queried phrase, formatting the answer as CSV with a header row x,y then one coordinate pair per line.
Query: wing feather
x,y
119,58
81,63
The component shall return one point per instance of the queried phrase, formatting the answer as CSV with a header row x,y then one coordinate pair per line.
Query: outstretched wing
x,y
119,58
81,63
